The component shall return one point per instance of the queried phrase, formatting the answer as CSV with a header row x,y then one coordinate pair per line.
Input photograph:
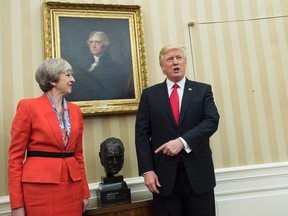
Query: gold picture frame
x,y
67,28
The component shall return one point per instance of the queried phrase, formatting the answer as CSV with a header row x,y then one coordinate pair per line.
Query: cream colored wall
x,y
245,61
241,49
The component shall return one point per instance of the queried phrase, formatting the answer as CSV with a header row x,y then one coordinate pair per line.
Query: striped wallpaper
x,y
240,47
242,51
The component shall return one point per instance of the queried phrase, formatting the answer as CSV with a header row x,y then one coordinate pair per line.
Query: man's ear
x,y
162,68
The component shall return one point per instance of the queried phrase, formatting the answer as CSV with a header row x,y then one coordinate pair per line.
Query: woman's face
x,y
64,85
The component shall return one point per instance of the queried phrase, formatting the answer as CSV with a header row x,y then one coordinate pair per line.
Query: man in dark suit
x,y
173,153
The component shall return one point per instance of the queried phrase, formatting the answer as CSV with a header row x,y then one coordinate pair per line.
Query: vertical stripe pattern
x,y
241,52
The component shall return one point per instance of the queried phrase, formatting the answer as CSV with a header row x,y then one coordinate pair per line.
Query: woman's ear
x,y
53,83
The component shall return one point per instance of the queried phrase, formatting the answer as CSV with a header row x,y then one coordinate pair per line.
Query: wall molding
x,y
4,206
246,190
252,190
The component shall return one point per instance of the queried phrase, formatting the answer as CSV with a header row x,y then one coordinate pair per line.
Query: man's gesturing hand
x,y
171,148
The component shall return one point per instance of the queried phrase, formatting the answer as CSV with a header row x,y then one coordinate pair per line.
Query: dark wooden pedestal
x,y
142,208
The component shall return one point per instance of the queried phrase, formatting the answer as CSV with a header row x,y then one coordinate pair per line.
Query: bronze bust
x,y
112,156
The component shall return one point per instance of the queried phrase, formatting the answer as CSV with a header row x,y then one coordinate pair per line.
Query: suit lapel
x,y
187,96
165,102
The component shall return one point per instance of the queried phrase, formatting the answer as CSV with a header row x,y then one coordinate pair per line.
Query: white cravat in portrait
x,y
94,65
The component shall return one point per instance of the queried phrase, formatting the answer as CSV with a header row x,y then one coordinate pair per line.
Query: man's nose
x,y
175,61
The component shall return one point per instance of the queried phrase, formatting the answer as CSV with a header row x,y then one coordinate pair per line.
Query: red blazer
x,y
36,128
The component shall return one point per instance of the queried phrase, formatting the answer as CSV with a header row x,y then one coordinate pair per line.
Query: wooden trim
x,y
144,207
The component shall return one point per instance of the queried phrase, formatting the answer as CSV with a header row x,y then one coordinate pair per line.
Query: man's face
x,y
112,159
173,65
96,46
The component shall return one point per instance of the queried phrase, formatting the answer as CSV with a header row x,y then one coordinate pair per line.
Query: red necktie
x,y
174,101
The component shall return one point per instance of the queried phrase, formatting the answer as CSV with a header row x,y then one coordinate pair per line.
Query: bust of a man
x,y
112,156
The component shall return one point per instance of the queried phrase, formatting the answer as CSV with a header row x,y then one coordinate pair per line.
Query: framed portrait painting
x,y
105,46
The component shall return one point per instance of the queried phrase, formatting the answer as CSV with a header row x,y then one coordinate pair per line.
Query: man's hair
x,y
168,48
101,36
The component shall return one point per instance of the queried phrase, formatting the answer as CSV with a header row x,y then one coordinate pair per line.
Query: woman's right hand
x,y
18,212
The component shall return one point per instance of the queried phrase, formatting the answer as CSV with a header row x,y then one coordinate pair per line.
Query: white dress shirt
x,y
180,91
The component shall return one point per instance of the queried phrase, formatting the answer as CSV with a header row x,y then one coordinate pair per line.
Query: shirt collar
x,y
181,83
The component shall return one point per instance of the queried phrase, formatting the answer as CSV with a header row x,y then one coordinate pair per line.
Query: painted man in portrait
x,y
99,76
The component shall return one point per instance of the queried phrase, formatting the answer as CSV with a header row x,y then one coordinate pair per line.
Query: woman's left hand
x,y
85,203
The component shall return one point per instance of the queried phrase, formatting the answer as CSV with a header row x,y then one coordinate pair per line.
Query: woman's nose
x,y
72,79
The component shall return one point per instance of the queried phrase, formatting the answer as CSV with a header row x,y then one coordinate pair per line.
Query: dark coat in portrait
x,y
107,81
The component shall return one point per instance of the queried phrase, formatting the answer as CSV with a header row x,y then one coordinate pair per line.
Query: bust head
x,y
112,156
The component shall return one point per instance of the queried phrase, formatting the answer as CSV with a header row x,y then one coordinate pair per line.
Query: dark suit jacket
x,y
36,128
155,125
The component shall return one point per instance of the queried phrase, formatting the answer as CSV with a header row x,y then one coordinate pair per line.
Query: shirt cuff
x,y
186,146
146,172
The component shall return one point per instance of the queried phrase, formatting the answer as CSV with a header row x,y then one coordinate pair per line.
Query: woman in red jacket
x,y
46,172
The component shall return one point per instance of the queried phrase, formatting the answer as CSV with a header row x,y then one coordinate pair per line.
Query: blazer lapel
x,y
52,119
73,135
